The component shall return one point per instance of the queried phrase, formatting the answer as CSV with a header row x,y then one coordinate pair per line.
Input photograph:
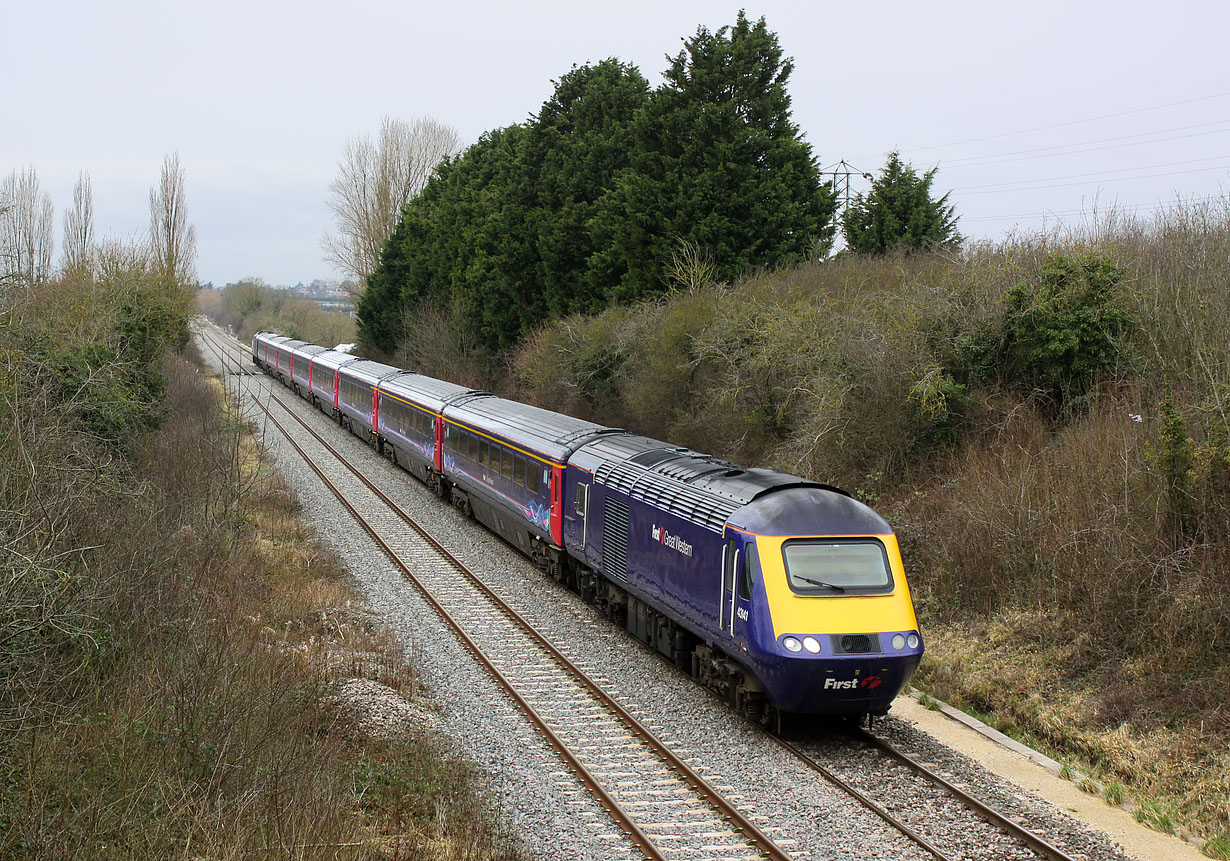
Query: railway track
x,y
663,805
926,782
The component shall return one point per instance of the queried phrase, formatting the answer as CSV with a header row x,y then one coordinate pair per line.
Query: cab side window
x,y
745,573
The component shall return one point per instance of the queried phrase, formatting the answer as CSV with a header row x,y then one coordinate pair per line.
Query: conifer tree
x,y
577,145
899,213
719,166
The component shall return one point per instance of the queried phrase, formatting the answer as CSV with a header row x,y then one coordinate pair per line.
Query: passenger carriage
x,y
506,461
356,394
301,368
323,380
265,352
408,422
284,358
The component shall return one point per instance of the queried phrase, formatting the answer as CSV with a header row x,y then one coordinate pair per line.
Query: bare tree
x,y
375,181
172,238
79,231
26,231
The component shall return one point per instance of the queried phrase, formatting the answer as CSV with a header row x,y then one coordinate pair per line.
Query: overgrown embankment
x,y
1044,422
174,646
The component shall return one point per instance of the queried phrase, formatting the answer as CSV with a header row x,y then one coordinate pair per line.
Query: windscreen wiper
x,y
832,586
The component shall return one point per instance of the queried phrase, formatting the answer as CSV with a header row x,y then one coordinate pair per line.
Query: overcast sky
x,y
1033,111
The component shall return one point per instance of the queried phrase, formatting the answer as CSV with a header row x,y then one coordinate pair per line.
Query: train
x,y
783,595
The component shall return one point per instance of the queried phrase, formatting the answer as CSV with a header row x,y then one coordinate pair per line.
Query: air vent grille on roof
x,y
697,505
655,456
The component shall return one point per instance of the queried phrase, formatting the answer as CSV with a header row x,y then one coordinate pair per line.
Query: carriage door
x,y
581,511
738,564
730,563
744,584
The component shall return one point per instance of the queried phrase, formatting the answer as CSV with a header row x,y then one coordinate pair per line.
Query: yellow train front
x,y
819,605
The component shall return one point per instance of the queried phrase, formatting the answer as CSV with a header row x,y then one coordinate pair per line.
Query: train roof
x,y
802,510
554,435
697,486
333,359
309,350
427,392
368,371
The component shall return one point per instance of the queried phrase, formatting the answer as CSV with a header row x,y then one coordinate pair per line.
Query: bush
x,y
1059,333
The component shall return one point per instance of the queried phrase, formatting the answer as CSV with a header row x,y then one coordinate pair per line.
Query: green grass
x,y
1218,847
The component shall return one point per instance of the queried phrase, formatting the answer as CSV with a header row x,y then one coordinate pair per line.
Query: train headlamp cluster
x,y
795,644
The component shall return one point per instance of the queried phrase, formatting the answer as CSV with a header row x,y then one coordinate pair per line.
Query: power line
x,y
1095,181
1094,173
1066,124
999,158
1130,207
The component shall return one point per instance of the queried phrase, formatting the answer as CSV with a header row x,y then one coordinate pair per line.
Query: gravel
x,y
534,790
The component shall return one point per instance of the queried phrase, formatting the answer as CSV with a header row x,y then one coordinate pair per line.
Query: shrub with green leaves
x,y
936,405
1058,333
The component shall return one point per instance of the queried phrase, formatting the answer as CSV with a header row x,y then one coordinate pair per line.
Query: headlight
x,y
792,644
812,645
912,640
898,642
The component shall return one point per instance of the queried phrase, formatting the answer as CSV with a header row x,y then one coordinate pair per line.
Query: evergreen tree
x,y
579,141
719,165
589,201
899,213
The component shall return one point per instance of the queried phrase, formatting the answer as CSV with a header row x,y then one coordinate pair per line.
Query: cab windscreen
x,y
829,566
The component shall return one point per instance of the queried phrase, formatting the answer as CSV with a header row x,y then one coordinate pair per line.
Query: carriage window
x,y
833,566
506,464
484,452
531,478
519,470
474,445
582,496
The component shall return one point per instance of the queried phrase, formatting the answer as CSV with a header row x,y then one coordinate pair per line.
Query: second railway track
x,y
665,806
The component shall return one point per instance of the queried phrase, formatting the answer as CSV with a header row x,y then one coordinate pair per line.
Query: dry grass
x,y
168,690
